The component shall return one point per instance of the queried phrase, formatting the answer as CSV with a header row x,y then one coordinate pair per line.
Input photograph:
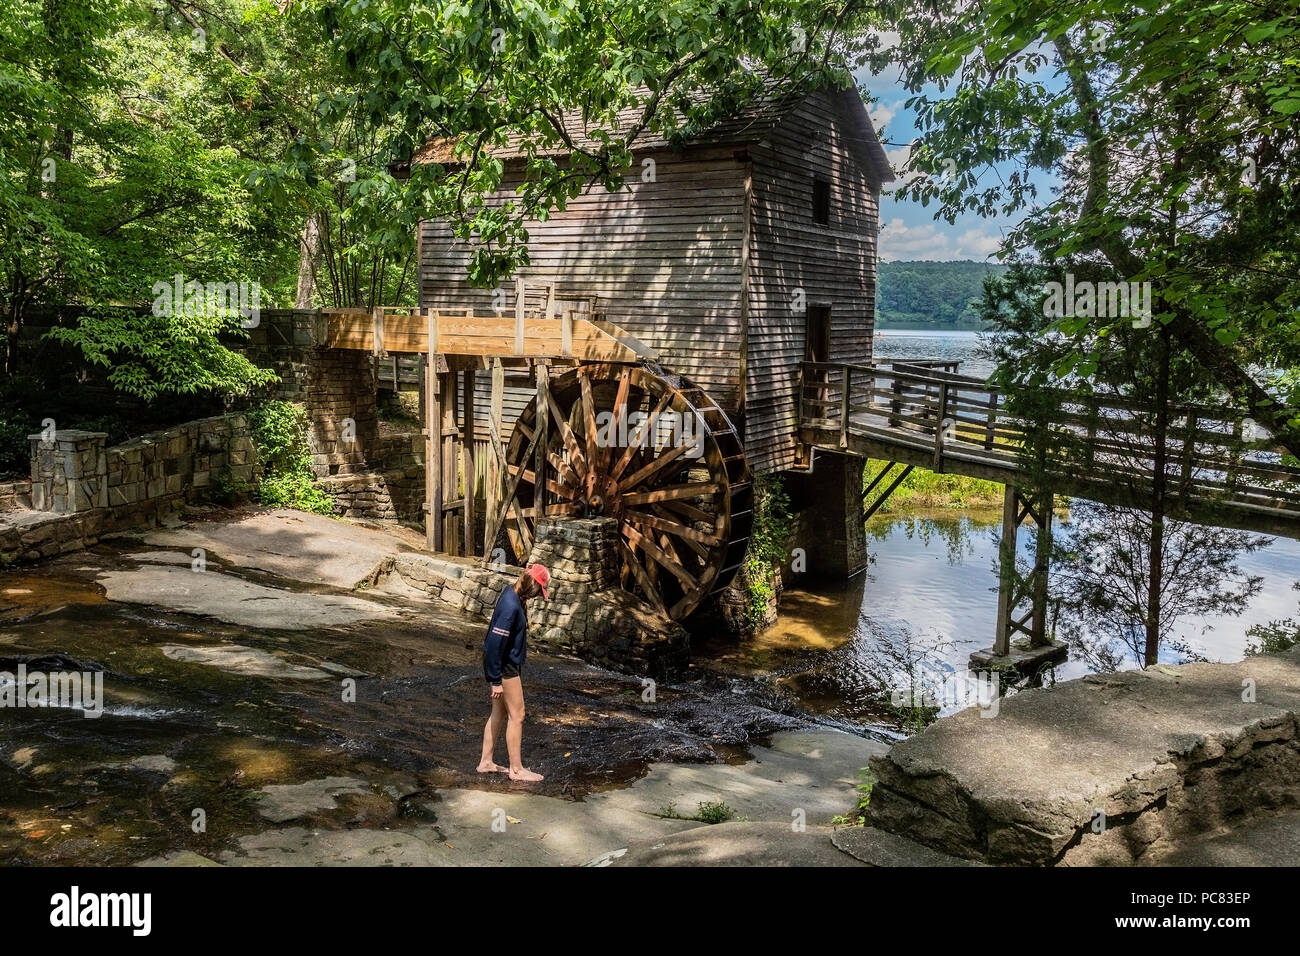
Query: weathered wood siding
x,y
665,258
833,264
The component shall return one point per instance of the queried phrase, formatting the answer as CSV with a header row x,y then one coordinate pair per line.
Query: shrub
x,y
279,432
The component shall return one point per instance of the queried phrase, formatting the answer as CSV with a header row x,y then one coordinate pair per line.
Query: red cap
x,y
539,574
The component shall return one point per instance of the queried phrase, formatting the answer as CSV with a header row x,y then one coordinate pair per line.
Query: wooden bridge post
x,y
939,427
1006,572
1042,565
845,389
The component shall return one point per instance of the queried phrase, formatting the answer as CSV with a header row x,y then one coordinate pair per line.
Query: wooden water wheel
x,y
655,453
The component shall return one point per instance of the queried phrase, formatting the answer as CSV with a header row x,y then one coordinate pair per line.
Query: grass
x,y
866,780
926,491
707,812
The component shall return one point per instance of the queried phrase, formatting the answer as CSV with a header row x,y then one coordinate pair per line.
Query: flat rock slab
x,y
280,803
740,844
236,601
291,544
237,659
504,824
1162,753
1266,841
881,848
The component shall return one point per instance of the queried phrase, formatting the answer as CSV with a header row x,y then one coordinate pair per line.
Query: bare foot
x,y
526,775
488,767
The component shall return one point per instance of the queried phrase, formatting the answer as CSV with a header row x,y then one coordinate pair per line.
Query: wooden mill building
x,y
729,259
749,249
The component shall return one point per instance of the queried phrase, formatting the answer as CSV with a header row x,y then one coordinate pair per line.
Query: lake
x,y
930,596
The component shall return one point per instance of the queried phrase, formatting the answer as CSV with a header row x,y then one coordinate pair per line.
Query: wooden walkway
x,y
928,416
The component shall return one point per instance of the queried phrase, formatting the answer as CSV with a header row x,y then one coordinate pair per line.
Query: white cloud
x,y
927,241
881,115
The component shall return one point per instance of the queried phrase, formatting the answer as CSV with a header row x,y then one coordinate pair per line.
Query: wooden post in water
x,y
1006,572
1042,563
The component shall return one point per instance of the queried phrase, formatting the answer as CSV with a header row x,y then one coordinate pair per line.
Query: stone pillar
x,y
343,407
589,614
827,504
69,471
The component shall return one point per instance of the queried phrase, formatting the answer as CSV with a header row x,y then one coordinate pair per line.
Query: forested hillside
x,y
930,295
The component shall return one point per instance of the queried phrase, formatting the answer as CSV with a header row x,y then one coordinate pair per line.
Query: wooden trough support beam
x,y
433,441
543,439
450,464
876,505
496,461
467,456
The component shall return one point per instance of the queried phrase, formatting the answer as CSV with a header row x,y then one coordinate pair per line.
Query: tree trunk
x,y
308,262
1156,558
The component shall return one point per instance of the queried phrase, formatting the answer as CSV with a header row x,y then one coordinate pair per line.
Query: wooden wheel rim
x,y
683,520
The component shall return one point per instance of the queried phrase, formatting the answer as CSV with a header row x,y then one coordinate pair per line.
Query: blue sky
x,y
909,230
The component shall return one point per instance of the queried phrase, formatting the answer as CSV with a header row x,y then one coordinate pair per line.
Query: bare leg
x,y
514,695
491,731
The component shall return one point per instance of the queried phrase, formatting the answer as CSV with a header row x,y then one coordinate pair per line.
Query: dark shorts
x,y
508,669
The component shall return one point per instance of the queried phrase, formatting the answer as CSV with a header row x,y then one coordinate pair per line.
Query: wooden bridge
x,y
923,414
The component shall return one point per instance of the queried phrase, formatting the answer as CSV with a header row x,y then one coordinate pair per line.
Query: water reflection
x,y
930,596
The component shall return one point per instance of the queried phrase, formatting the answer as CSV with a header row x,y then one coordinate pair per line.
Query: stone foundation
x,y
827,505
334,384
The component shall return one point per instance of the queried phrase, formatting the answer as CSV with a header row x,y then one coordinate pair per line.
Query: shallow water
x,y
929,596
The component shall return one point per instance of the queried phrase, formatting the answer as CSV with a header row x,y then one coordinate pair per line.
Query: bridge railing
x,y
926,406
916,402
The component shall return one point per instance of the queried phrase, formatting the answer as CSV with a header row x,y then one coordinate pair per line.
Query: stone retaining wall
x,y
336,385
15,495
81,490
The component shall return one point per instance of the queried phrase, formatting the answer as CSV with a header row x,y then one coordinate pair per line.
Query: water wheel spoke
x,y
662,523
630,563
566,473
588,417
690,512
634,442
576,456
644,474
694,489
556,488
643,543
620,410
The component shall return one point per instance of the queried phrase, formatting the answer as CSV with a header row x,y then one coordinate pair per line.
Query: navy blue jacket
x,y
507,636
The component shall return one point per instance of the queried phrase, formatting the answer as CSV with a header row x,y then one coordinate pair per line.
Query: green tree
x,y
1172,127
